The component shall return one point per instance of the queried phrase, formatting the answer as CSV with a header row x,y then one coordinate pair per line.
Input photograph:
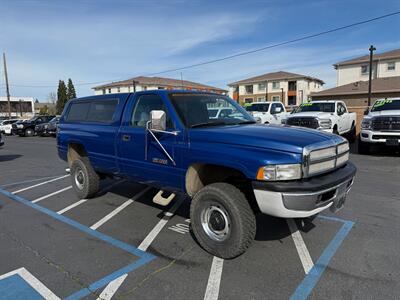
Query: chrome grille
x,y
318,159
386,123
308,122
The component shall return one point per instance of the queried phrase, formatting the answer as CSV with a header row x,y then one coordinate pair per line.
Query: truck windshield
x,y
380,105
258,107
318,106
198,110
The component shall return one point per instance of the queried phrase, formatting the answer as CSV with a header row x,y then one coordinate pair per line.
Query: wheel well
x,y
199,175
75,151
334,126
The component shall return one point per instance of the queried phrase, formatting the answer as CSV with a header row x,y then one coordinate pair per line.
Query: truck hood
x,y
315,114
384,113
274,137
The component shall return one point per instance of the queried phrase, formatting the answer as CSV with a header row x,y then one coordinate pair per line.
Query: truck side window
x,y
102,111
78,111
144,105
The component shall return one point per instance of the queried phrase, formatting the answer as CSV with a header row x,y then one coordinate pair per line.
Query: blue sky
x,y
101,41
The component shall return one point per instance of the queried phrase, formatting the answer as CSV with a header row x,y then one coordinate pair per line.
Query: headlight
x,y
366,124
258,120
325,123
279,172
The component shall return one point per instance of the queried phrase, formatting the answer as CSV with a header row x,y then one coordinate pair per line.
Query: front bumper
x,y
304,198
370,136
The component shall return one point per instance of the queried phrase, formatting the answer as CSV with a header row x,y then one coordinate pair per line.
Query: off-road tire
x,y
91,180
241,219
29,132
363,147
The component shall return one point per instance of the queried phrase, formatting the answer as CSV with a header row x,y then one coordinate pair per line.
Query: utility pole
x,y
266,91
7,87
134,86
181,81
371,54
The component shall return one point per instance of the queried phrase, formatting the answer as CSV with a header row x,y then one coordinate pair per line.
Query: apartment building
x,y
143,83
384,65
290,88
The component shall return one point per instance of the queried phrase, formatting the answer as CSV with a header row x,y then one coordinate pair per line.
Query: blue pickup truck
x,y
230,167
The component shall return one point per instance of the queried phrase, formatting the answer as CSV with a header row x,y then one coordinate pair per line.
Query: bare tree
x,y
52,97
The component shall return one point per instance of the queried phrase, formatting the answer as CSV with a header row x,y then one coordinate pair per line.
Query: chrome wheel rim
x,y
79,179
216,222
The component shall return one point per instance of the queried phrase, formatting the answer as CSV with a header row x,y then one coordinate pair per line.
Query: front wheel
x,y
84,178
222,220
352,134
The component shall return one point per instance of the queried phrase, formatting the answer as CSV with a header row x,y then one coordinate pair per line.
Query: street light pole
x,y
282,95
371,54
7,87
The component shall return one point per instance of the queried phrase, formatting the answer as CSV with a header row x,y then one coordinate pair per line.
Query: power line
x,y
237,54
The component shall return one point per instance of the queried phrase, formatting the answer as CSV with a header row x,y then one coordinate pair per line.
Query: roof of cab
x,y
126,95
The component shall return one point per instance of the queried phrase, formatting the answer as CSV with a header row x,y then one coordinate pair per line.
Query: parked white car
x,y
330,116
220,112
6,126
381,125
267,112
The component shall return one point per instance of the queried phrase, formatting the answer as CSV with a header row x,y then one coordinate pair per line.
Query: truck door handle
x,y
126,137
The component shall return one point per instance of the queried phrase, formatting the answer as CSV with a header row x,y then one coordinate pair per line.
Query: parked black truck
x,y
27,128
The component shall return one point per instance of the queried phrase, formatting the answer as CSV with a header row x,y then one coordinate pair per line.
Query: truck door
x,y
155,168
343,125
276,113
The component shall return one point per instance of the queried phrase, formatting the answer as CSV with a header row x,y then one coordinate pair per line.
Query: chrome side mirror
x,y
158,120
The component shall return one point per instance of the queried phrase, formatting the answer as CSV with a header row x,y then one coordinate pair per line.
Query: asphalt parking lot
x,y
121,244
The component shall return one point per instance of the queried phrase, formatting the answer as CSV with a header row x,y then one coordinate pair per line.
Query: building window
x,y
276,98
391,66
249,89
161,88
104,91
364,70
119,90
261,86
248,100
109,91
260,99
276,85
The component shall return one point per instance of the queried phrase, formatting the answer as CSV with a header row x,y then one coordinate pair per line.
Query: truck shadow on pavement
x,y
9,157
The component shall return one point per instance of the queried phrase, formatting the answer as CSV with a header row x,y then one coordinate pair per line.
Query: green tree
x,y
61,97
44,110
71,93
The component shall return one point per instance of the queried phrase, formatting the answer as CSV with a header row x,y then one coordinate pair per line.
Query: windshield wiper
x,y
207,124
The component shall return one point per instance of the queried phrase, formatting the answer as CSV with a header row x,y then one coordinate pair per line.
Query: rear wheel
x,y
352,135
84,178
222,220
335,130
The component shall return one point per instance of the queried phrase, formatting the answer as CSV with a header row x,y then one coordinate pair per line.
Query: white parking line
x,y
52,194
111,288
156,230
118,209
60,212
214,279
300,246
64,210
39,184
33,282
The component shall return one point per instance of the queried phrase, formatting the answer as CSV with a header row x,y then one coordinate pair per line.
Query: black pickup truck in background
x,y
27,128
47,129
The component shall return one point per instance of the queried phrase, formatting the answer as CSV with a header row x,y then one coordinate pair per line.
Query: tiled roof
x,y
379,85
159,81
280,75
